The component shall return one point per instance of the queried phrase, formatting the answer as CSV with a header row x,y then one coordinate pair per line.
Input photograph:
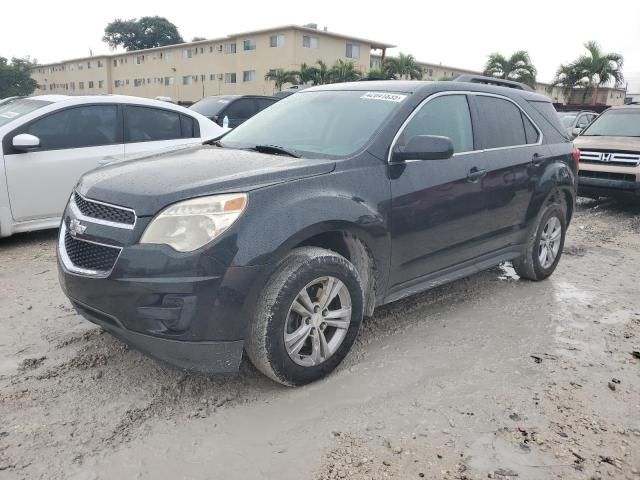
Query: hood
x,y
627,144
150,184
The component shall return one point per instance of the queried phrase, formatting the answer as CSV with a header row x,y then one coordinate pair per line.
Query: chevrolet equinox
x,y
278,238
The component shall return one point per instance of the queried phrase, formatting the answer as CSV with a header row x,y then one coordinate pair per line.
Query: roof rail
x,y
492,81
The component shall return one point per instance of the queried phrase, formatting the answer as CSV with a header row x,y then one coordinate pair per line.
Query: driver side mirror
x,y
577,131
25,142
424,147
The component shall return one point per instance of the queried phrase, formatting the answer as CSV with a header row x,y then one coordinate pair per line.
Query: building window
x,y
210,48
168,81
118,83
139,59
188,80
187,53
138,82
353,51
115,62
100,64
81,85
276,41
230,48
248,75
229,78
212,77
88,65
80,66
100,83
73,85
309,42
90,84
126,82
249,45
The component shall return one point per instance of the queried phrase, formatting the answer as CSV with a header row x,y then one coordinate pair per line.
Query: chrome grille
x,y
627,177
103,211
613,158
86,257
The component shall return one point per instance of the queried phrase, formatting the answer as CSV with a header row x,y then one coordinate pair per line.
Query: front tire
x,y
545,244
307,317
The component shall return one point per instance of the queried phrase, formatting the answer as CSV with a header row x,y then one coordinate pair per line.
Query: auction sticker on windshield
x,y
387,97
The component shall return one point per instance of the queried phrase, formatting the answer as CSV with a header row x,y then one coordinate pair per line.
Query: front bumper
x,y
188,309
203,357
600,187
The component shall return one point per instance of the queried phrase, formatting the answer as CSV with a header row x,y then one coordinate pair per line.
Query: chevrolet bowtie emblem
x,y
76,228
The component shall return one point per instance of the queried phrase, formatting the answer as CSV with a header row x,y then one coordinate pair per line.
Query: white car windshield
x,y
326,123
19,108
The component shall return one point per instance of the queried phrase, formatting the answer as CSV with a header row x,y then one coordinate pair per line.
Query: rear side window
x,y
446,116
88,126
500,123
241,109
530,131
547,110
188,127
145,124
264,103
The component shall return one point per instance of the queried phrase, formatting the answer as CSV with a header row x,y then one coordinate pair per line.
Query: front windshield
x,y
326,123
616,123
19,108
210,107
567,120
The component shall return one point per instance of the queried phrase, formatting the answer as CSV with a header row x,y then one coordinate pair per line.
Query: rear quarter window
x,y
547,110
501,123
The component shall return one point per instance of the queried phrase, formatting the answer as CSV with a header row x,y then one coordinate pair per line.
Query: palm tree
x,y
568,77
280,76
342,71
403,67
517,67
595,70
323,74
379,74
306,74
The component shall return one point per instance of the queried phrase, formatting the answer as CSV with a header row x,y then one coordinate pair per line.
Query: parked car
x,y
279,238
48,142
610,154
236,109
576,122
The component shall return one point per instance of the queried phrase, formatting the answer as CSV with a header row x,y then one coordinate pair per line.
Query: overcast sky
x,y
452,33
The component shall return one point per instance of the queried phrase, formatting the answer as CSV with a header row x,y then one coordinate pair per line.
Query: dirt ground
x,y
488,377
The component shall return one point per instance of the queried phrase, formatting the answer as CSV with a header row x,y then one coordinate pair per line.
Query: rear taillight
x,y
576,156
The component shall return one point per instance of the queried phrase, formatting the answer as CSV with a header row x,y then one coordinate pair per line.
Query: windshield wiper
x,y
274,149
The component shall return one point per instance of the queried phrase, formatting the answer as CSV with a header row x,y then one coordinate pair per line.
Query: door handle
x,y
475,174
537,159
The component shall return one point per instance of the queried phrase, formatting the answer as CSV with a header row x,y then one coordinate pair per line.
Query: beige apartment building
x,y
237,64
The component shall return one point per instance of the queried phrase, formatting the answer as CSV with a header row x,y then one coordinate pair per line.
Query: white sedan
x,y
47,142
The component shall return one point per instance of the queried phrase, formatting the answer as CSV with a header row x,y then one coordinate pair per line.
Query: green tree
x,y
307,74
592,71
379,74
342,71
402,67
517,67
138,34
280,76
323,73
197,39
15,77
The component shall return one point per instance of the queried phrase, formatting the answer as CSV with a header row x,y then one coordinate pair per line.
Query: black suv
x,y
278,238
236,108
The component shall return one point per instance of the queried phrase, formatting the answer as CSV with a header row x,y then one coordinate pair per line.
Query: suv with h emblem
x,y
610,154
277,239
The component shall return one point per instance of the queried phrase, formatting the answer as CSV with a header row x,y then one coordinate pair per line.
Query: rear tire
x,y
545,244
307,317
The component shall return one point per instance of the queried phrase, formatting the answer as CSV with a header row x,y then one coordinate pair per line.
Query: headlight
x,y
189,225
